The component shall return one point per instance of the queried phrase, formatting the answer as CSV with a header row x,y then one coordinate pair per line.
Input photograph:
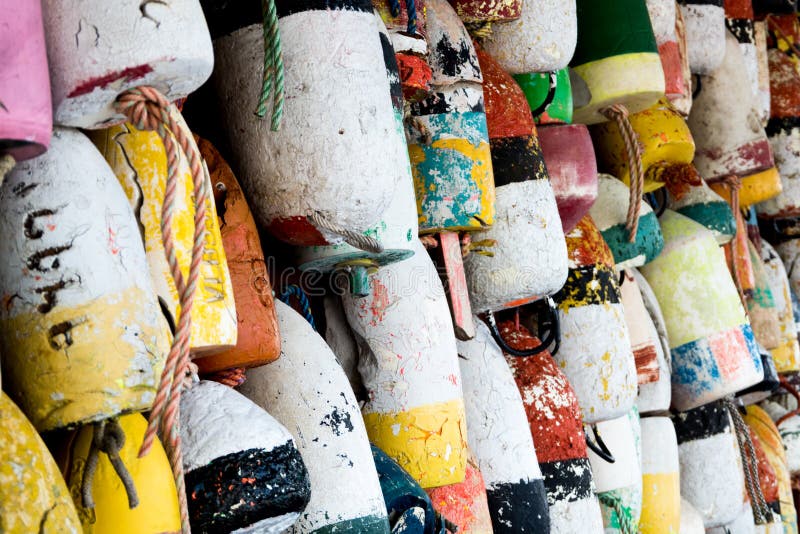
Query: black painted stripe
x,y
517,159
581,289
436,104
742,29
700,423
777,125
567,480
701,2
775,506
393,72
777,7
242,488
519,507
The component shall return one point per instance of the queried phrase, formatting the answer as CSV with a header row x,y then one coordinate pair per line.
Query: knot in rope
x,y
305,305
230,377
7,163
108,438
633,151
272,74
354,239
613,501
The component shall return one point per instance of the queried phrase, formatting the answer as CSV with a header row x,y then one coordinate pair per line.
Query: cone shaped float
x,y
661,497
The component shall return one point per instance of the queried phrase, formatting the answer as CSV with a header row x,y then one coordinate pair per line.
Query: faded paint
x,y
701,204
464,504
642,331
761,307
705,35
662,17
661,497
787,354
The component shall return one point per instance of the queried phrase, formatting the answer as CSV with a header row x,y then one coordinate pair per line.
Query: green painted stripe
x,y
649,240
370,524
611,28
716,216
536,85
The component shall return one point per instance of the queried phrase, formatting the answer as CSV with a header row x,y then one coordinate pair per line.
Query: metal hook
x,y
599,448
553,332
551,94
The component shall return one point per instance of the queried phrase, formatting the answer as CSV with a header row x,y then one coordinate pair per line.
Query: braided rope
x,y
633,150
411,9
7,163
305,305
233,378
109,438
394,8
148,109
361,241
273,66
613,501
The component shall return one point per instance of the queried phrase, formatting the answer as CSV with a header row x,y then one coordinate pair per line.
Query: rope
x,y
394,8
479,30
108,438
429,241
273,66
613,501
7,163
148,109
619,114
230,377
478,247
305,306
361,241
761,510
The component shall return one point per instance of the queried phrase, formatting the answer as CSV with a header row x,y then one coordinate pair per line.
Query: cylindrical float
x,y
739,22
595,351
34,495
242,467
465,504
491,11
500,438
81,335
616,59
691,520
787,354
761,308
663,19
24,82
549,94
705,34
303,183
661,496
697,201
713,350
139,160
642,331
92,60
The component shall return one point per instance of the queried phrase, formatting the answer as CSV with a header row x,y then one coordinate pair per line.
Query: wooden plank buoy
x,y
303,184
761,308
243,468
661,495
787,354
642,331
697,201
33,495
616,59
711,342
500,438
488,11
158,510
24,83
549,94
595,351
571,165
691,520
81,334
92,60
322,414
139,160
705,34
465,504
664,21
529,259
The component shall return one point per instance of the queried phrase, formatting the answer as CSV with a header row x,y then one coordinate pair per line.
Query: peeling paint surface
x,y
465,504
705,35
787,354
661,491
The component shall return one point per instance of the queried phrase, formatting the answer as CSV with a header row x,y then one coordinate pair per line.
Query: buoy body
x,y
701,204
663,19
242,467
491,11
465,504
323,416
305,171
789,252
81,334
790,434
691,520
705,34
92,61
549,105
24,83
787,354
571,165
683,103
642,331
761,308
34,498
711,341
139,160
661,496
739,22
595,351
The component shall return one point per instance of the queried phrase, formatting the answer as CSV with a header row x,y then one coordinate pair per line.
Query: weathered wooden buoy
x,y
787,354
549,94
242,467
491,11
661,496
24,83
465,504
323,417
739,22
616,59
541,39
158,509
500,439
664,22
761,308
595,351
554,417
711,343
609,213
302,181
705,34
789,427
571,165
81,334
642,331
139,160
33,495
619,484
697,201
691,520
409,367
711,466
529,260
92,61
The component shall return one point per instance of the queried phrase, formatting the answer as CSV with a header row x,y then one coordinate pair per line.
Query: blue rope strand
x,y
305,305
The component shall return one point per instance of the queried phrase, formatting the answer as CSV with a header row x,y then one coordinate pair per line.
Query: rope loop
x,y
354,239
233,378
108,438
613,501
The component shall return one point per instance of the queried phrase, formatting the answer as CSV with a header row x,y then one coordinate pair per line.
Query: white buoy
x,y
661,496
642,331
787,355
790,434
691,520
705,34
339,338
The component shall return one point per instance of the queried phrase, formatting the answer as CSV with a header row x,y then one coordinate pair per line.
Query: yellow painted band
x,y
786,355
428,441
755,188
661,504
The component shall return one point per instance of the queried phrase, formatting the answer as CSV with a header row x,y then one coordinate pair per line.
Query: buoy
x,y
787,354
81,334
663,19
616,59
409,366
697,201
711,343
642,331
768,385
661,496
529,259
541,39
595,351
691,520
761,308
619,484
322,414
711,466
705,34
242,467
448,145
500,439
24,83
789,427
609,213
339,338
745,524
762,61
789,251
139,160
554,417
768,480
465,504
739,22
492,11
92,61
302,181
33,495
158,509
549,94
683,103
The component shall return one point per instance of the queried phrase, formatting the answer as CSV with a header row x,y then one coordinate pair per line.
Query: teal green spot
x,y
536,86
649,240
716,216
